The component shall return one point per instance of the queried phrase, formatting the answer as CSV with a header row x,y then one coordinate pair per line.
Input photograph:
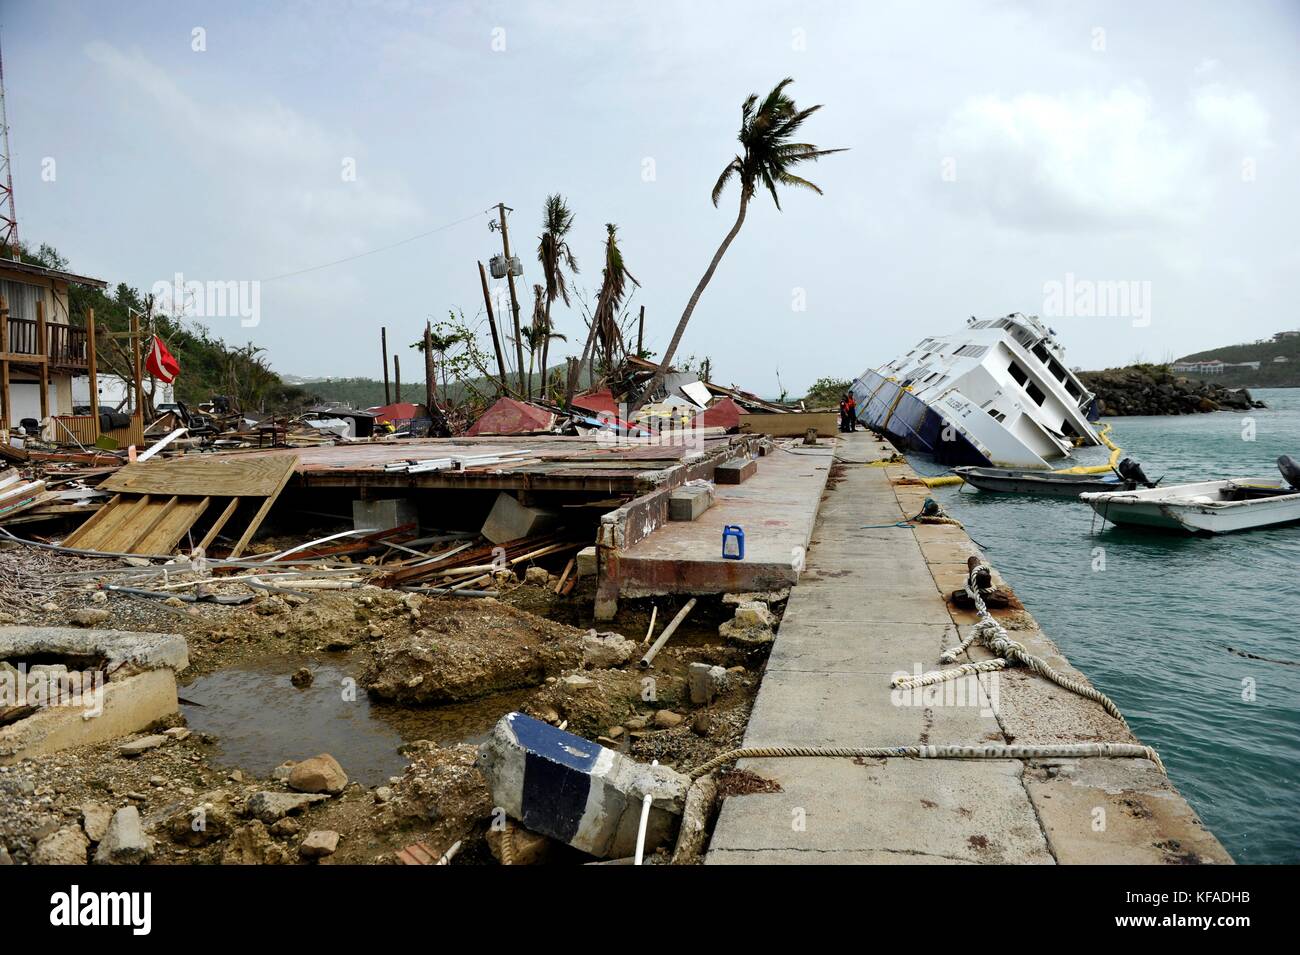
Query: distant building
x,y
1283,335
1280,358
1212,367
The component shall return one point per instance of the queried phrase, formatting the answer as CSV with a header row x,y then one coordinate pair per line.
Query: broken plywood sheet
x,y
158,503
204,476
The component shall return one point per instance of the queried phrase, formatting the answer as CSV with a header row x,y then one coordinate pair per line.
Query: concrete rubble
x,y
118,683
578,792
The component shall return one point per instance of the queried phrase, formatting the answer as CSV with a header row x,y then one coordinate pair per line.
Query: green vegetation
x,y
826,392
209,366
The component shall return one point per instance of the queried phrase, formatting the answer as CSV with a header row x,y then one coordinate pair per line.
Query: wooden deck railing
x,y
65,345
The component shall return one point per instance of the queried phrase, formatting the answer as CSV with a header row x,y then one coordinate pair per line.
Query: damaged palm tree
x,y
768,154
556,257
604,328
538,336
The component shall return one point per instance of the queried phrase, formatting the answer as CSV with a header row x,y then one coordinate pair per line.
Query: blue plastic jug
x,y
733,542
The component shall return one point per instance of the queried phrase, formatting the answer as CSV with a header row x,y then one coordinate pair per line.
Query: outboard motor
x,y
1290,470
1130,470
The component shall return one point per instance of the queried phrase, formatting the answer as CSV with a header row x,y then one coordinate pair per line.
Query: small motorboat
x,y
1054,483
1208,507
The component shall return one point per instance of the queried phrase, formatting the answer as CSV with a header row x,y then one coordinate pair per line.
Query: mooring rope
x,y
989,633
989,751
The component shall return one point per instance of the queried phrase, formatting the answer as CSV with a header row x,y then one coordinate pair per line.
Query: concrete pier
x,y
870,604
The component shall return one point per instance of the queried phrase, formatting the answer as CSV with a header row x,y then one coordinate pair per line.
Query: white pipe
x,y
161,444
293,550
645,821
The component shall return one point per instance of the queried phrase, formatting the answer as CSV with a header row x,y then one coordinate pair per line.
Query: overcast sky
x,y
996,148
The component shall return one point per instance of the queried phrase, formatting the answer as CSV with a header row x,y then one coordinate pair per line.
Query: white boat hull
x,y
1204,508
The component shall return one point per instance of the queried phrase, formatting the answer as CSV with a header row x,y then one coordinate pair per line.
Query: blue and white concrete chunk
x,y
577,791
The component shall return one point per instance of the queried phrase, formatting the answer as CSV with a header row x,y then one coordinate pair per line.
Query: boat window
x,y
1035,393
1074,390
1040,352
1018,373
974,351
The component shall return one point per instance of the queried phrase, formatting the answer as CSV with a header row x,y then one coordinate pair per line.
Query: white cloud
x,y
1083,161
289,181
1237,117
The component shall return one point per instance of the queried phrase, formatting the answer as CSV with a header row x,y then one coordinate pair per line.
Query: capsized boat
x,y
997,393
1054,483
1207,507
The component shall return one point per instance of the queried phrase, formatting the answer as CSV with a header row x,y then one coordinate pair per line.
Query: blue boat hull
x,y
886,407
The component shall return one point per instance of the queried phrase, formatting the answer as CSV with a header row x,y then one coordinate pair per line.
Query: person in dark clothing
x,y
848,413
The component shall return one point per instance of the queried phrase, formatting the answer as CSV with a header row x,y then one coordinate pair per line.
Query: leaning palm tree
x,y
554,254
766,158
613,288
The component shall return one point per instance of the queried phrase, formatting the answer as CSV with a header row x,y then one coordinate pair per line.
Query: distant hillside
x,y
1271,373
369,392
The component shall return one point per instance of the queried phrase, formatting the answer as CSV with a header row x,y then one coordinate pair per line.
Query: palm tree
x,y
537,336
767,155
613,288
554,254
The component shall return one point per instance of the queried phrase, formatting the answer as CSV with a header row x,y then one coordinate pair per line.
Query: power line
x,y
382,248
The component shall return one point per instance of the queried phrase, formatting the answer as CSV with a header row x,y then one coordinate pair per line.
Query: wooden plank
x,y
42,346
219,523
90,524
146,527
114,519
170,531
128,529
90,371
205,476
262,511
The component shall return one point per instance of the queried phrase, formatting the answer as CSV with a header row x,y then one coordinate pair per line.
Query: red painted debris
x,y
508,416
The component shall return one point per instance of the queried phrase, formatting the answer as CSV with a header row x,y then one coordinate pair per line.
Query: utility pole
x,y
514,299
640,332
492,324
397,378
383,341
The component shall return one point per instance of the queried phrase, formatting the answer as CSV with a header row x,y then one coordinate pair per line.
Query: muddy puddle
x,y
261,719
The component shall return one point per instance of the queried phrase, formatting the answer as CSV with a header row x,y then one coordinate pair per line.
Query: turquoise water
x,y
1152,629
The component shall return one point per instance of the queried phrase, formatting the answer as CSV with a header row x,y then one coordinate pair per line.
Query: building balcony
x,y
66,346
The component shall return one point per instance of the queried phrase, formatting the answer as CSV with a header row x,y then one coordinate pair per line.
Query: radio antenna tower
x,y
8,218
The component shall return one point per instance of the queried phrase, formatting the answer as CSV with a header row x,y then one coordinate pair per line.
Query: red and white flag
x,y
161,364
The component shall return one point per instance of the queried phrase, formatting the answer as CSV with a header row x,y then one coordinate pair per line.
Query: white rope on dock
x,y
989,633
988,751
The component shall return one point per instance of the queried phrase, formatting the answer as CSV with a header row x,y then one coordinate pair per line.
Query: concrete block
x,y
384,515
140,686
689,502
509,520
706,682
734,472
586,566
601,651
577,791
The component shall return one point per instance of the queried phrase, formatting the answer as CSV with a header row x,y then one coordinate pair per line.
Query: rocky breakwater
x,y
1154,390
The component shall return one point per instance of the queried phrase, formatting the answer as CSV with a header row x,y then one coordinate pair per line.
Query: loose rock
x,y
320,774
